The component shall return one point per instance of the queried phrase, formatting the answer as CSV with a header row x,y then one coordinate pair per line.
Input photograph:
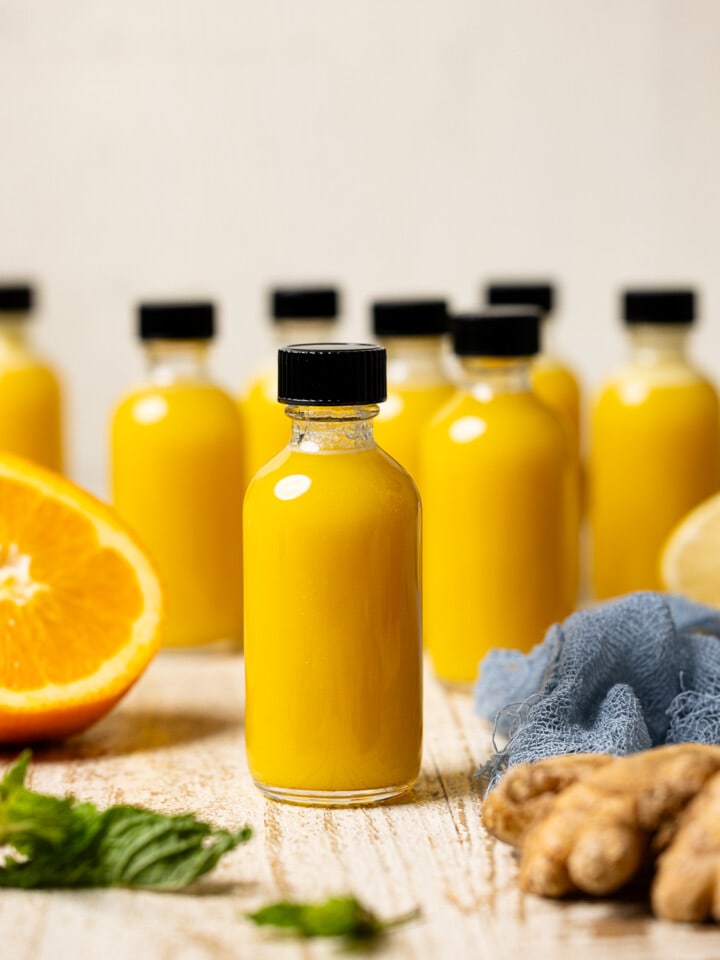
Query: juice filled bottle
x,y
300,315
552,379
655,444
499,504
332,619
412,332
177,474
30,402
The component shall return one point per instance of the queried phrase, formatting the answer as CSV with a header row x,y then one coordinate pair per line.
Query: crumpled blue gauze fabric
x,y
620,677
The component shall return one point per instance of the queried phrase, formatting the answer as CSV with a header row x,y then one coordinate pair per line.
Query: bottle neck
x,y
414,360
13,335
487,377
321,429
312,330
174,361
652,344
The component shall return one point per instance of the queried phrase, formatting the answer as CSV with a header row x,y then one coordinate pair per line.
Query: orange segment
x,y
80,605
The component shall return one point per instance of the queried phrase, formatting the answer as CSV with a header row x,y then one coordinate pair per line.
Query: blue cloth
x,y
620,677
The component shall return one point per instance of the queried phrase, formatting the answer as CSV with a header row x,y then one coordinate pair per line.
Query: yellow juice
x,y
300,315
558,388
412,331
402,418
266,429
30,401
655,454
499,511
332,625
177,477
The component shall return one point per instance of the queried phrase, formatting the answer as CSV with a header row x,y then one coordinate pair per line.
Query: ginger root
x,y
525,794
687,880
594,825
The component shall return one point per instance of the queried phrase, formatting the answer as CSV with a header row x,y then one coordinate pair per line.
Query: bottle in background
x,y
655,444
332,618
412,332
177,474
30,399
556,384
552,379
499,501
299,315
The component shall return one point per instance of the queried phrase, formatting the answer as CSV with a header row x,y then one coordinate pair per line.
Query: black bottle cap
x,y
332,374
497,332
409,318
16,298
192,320
658,306
540,295
304,303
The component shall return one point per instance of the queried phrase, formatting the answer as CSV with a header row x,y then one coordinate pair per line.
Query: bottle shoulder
x,y
194,402
336,472
634,385
548,368
518,425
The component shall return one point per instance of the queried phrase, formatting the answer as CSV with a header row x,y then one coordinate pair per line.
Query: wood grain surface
x,y
176,743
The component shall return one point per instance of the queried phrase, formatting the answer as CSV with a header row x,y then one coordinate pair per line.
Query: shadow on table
x,y
134,731
443,786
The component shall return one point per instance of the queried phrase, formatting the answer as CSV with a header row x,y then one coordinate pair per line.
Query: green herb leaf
x,y
60,842
337,917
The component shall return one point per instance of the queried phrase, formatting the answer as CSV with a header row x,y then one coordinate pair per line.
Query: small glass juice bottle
x,y
655,444
412,332
177,474
552,379
299,314
30,401
333,712
499,498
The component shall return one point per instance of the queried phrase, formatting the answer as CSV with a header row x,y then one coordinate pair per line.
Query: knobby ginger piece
x,y
597,833
687,879
526,793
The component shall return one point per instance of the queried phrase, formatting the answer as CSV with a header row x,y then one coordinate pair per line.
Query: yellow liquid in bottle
x,y
558,388
402,418
266,429
30,403
499,508
655,455
177,478
332,627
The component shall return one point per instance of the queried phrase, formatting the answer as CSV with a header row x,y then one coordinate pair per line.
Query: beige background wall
x,y
182,147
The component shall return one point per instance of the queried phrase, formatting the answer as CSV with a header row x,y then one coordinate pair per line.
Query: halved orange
x,y
690,559
81,605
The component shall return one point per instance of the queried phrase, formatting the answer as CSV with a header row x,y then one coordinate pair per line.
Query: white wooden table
x,y
176,743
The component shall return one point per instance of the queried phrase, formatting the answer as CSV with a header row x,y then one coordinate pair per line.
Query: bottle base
x,y
333,798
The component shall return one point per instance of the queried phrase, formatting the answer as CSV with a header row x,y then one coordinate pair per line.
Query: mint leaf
x,y
337,917
60,842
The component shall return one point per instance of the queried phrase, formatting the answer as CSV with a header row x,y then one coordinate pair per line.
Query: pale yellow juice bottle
x,y
299,315
333,710
177,474
30,396
553,380
499,501
655,444
412,332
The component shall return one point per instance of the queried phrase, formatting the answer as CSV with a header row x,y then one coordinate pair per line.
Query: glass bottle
x,y
299,314
333,711
177,474
552,379
412,332
30,396
499,501
655,444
